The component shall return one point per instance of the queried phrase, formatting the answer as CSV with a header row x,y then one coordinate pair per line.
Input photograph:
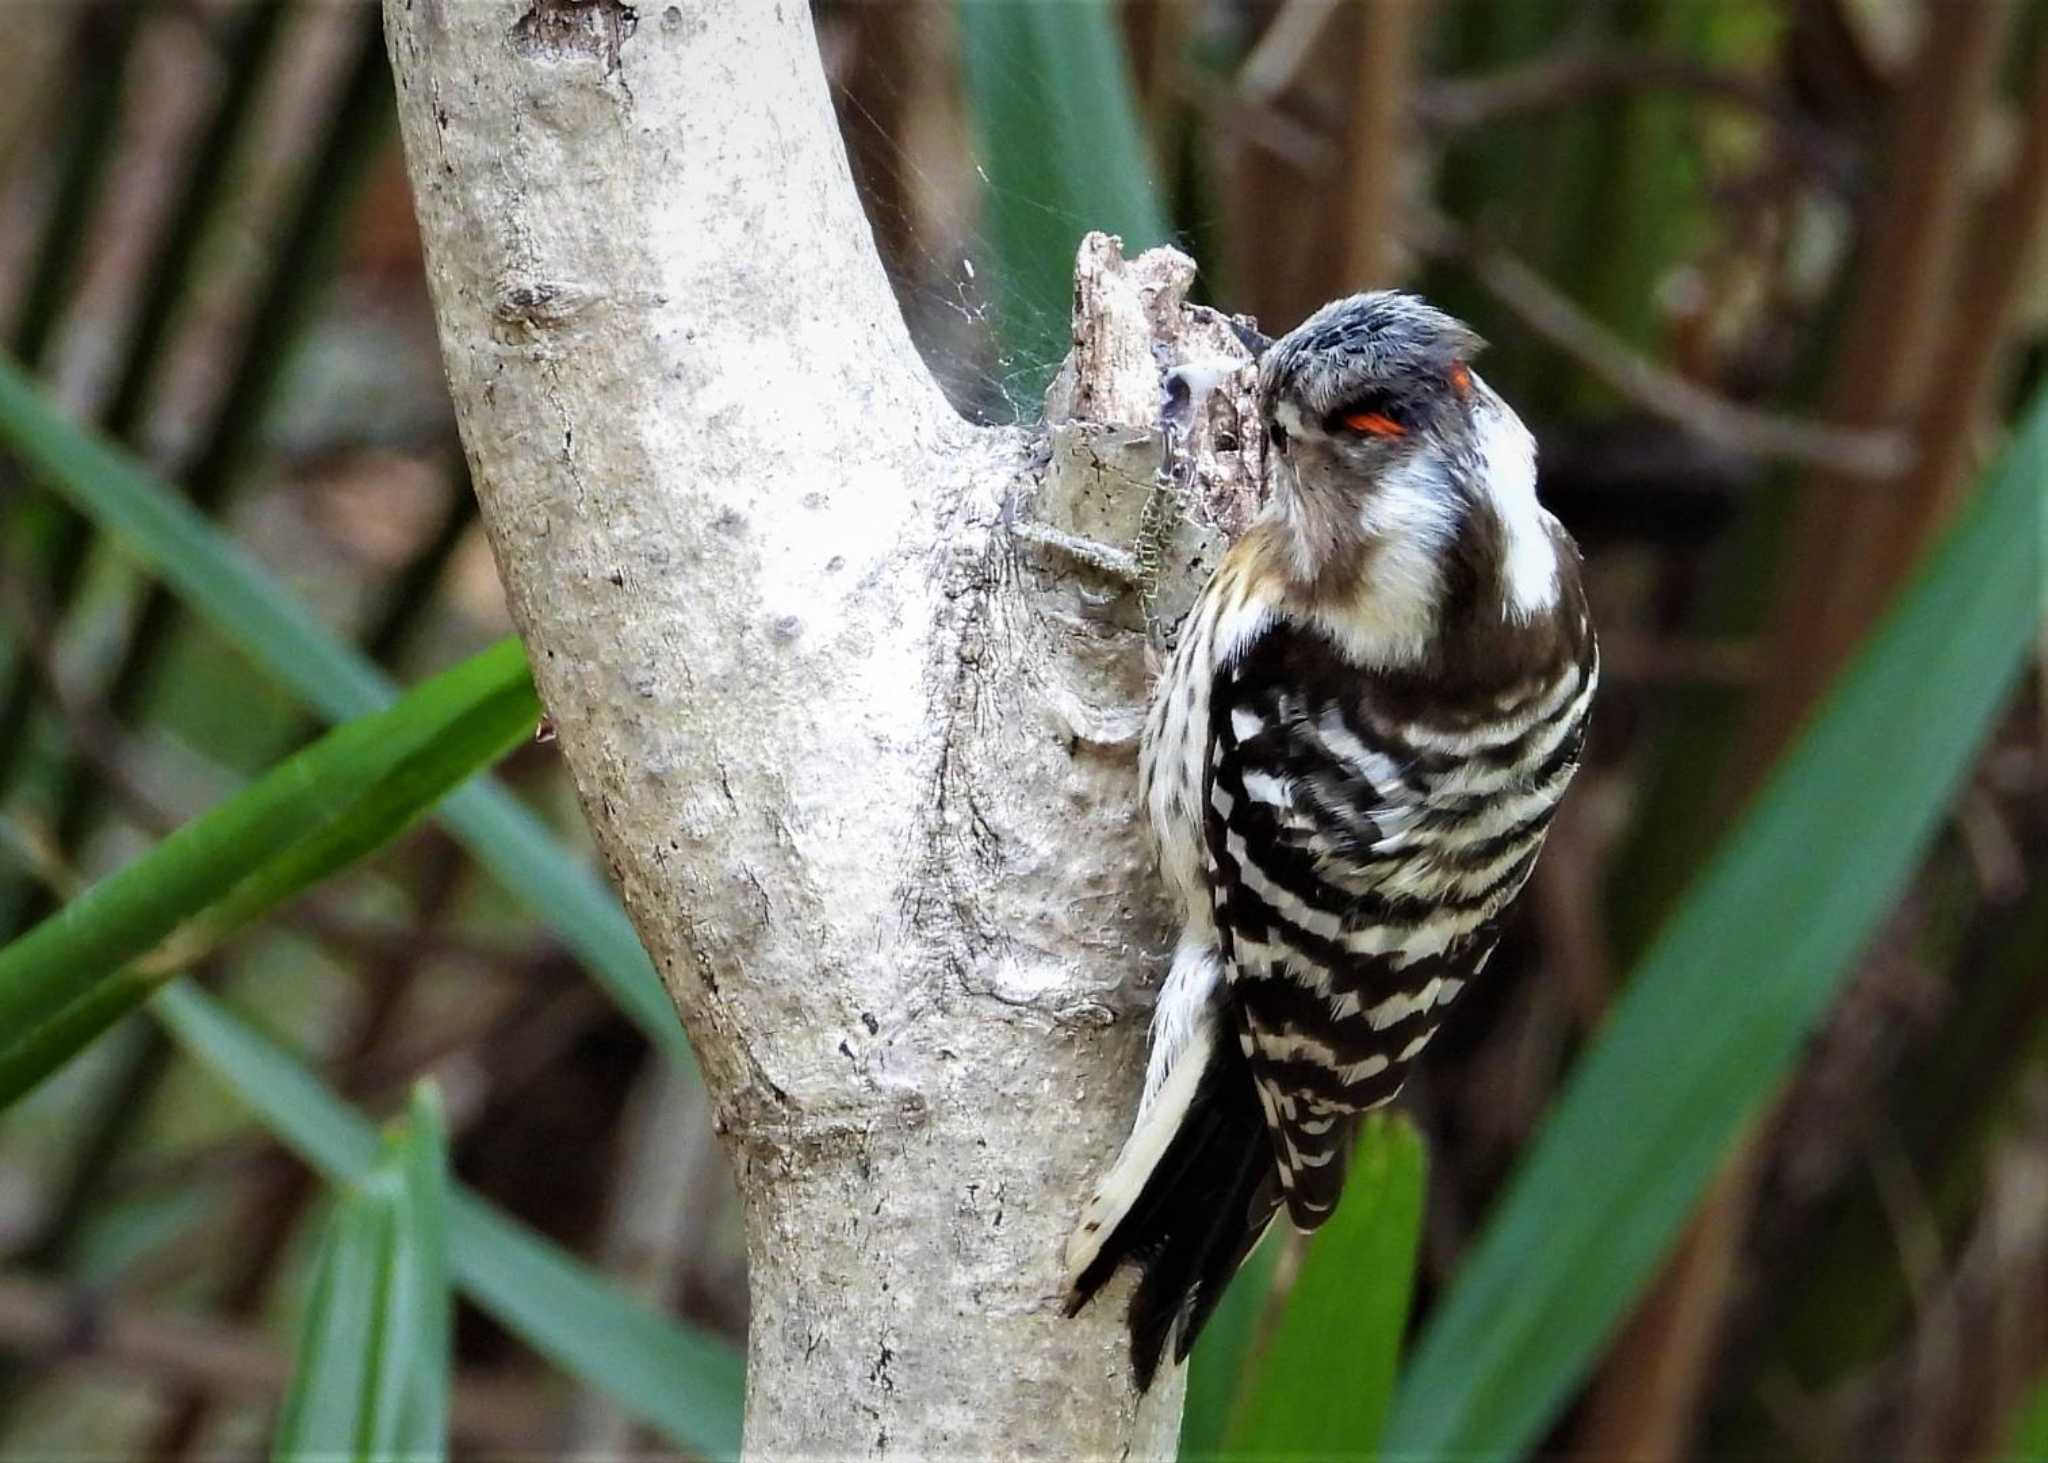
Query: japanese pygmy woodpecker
x,y
1349,767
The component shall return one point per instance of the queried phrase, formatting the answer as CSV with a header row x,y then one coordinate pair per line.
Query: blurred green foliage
x,y
1322,1383
244,604
1060,147
684,1382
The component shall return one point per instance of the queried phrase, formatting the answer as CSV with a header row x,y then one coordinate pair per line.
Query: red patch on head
x,y
1461,380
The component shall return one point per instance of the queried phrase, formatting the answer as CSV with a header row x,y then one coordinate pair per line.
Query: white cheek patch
x,y
1529,565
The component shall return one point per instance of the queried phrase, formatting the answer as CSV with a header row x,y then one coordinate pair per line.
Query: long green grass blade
x,y
289,1100
318,811
1323,1385
417,1373
371,1378
684,1382
1715,1013
1062,151
249,608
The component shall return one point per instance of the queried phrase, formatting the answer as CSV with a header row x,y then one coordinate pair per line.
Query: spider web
x,y
897,76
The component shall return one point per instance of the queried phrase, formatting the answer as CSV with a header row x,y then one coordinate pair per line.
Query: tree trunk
x,y
850,702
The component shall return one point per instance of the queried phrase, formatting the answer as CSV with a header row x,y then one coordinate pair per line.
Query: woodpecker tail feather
x,y
1190,1195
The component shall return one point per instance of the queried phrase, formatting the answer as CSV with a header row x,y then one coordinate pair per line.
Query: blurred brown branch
x,y
1551,316
1896,339
53,1323
1569,77
1575,75
1282,51
1979,344
1376,125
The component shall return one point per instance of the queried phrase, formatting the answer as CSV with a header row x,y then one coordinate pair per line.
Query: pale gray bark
x,y
859,757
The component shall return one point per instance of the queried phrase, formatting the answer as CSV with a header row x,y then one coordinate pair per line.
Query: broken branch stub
x,y
1152,426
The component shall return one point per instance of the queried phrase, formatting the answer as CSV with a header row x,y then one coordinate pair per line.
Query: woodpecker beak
x,y
1250,336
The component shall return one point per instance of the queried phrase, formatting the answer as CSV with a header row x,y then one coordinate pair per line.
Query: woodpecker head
x,y
1364,385
1389,461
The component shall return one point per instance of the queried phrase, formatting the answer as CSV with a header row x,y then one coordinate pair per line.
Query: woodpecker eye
x,y
1374,424
1277,435
1376,414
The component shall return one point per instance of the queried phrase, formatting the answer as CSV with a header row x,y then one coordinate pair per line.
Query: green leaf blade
x,y
422,1429
1325,1381
321,809
1712,1018
241,601
322,1410
291,1102
1063,153
683,1381
372,1372
1218,1371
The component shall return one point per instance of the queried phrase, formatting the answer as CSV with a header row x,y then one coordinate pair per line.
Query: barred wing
x,y
1360,873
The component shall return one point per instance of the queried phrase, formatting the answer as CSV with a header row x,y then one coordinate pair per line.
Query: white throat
x,y
1405,528
1410,519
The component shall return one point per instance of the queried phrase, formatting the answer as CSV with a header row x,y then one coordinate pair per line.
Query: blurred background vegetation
x,y
1763,275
